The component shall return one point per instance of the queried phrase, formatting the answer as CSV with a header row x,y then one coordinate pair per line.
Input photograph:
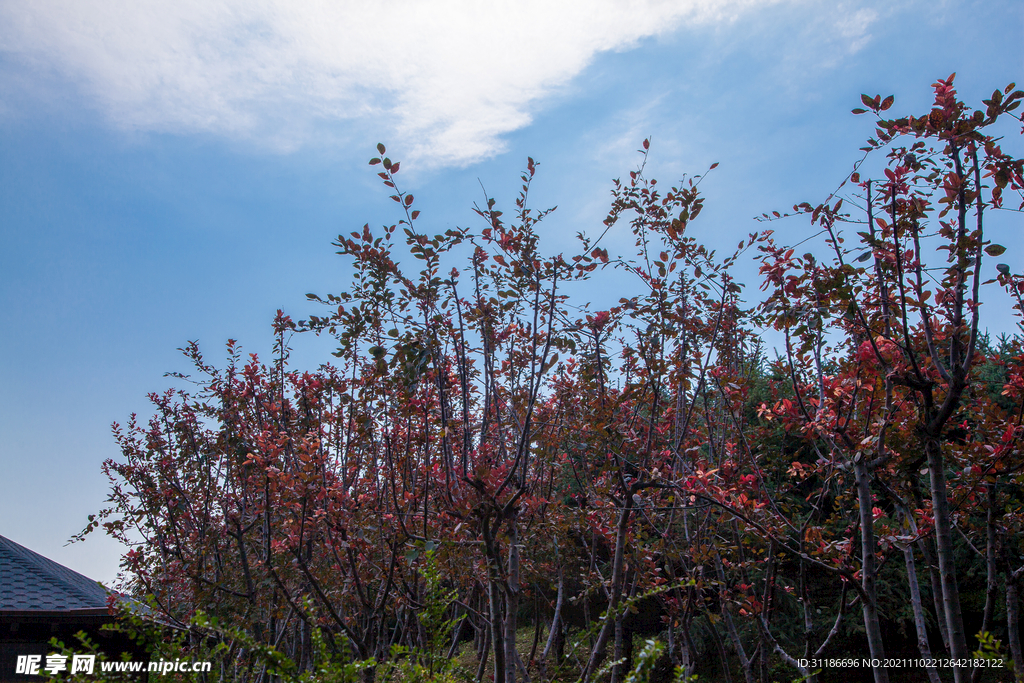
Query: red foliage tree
x,y
643,465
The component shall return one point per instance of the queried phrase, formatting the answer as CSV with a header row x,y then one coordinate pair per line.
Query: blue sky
x,y
172,171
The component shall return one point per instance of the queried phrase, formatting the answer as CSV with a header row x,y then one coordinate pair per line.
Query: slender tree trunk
x,y
619,635
485,652
453,648
730,626
689,651
497,632
556,621
924,545
947,564
480,629
722,655
494,595
538,625
868,568
919,623
618,562
1013,629
992,582
512,604
936,583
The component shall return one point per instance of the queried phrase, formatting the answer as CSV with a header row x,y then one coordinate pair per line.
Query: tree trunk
x,y
991,580
497,632
919,623
1013,630
936,583
619,651
512,604
730,626
944,551
485,652
494,595
618,562
924,545
556,622
868,568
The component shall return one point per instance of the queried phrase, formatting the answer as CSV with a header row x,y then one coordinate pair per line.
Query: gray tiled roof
x,y
31,582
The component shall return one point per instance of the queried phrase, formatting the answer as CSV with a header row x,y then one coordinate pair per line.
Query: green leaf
x,y
864,257
1003,268
380,147
995,249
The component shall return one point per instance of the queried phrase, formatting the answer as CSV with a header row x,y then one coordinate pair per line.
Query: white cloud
x,y
448,77
854,28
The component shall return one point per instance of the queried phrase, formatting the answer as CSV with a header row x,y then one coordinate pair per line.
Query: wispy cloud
x,y
854,28
448,77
